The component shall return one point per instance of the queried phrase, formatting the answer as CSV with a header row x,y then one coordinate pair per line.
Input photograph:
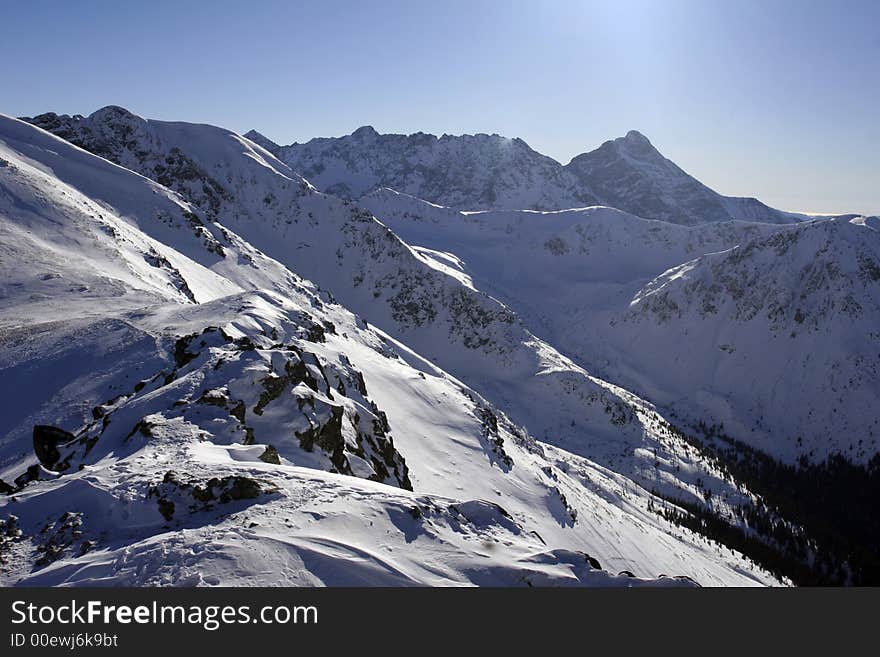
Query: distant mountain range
x,y
491,172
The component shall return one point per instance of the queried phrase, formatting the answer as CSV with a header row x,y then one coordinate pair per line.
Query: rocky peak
x,y
636,137
262,140
113,113
365,132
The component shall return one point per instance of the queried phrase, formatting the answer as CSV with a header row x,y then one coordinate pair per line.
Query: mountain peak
x,y
112,111
365,131
484,171
636,137
635,145
262,140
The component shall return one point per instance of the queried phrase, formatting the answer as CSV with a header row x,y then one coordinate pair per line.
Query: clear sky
x,y
778,99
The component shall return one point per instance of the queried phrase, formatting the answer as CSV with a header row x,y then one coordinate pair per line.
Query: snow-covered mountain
x,y
766,329
630,174
490,172
781,332
182,408
477,331
468,171
565,273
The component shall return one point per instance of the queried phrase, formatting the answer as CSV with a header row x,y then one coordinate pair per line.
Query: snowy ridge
x,y
184,474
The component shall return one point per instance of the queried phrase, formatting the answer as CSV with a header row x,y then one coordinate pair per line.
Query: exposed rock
x,y
46,442
270,455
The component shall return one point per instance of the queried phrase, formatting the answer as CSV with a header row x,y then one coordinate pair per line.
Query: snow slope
x,y
770,330
781,333
564,272
487,507
255,431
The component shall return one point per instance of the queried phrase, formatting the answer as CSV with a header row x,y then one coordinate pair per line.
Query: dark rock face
x,y
46,441
337,426
270,455
174,494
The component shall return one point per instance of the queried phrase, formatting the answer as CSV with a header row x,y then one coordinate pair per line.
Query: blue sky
x,y
779,99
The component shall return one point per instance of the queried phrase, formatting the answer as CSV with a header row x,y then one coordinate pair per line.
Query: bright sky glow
x,y
773,98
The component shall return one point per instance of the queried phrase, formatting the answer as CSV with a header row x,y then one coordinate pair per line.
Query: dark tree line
x,y
816,523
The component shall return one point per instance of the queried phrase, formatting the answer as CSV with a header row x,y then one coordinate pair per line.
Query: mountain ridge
x,y
506,174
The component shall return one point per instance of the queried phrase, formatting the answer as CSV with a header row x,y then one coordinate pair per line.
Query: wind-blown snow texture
x,y
206,414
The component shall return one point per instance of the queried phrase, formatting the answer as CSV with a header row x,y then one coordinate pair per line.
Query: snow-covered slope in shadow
x,y
768,330
782,334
